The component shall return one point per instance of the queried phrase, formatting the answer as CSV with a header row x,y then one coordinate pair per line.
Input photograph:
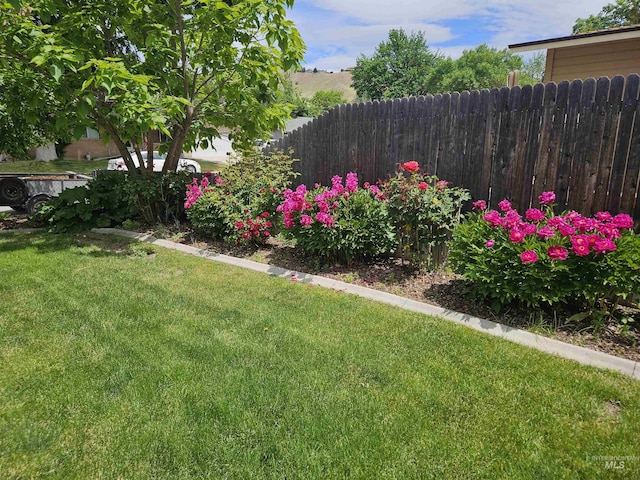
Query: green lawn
x,y
118,362
78,166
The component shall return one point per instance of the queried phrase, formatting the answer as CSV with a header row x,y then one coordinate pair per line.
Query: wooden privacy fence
x,y
579,139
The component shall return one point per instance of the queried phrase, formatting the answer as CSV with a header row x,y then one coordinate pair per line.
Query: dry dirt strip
x,y
582,355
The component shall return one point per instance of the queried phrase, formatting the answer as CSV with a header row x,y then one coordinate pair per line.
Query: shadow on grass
x,y
86,244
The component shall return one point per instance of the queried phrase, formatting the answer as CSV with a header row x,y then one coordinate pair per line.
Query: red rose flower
x,y
411,167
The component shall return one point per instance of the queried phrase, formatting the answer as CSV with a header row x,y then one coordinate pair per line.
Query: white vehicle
x,y
184,164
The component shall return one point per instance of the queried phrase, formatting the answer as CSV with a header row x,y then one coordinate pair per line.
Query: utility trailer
x,y
28,191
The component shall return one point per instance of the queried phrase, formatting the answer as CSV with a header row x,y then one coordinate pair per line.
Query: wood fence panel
x,y
448,162
433,104
474,146
579,139
532,140
503,131
608,145
567,153
632,174
593,156
518,120
623,142
585,142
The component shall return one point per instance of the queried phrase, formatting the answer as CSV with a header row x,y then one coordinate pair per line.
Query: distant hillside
x,y
309,83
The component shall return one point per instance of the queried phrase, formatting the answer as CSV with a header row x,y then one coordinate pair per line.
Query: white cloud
x,y
338,31
397,11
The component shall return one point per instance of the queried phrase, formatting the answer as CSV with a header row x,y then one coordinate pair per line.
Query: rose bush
x,y
423,209
547,258
238,205
342,222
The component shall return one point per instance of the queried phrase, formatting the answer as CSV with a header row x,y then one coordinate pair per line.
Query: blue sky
x,y
338,31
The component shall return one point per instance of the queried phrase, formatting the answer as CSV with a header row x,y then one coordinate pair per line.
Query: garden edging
x,y
582,355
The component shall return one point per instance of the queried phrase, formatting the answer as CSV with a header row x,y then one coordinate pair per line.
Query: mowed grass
x,y
78,166
120,360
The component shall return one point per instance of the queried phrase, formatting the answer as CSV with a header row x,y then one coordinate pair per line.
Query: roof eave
x,y
577,40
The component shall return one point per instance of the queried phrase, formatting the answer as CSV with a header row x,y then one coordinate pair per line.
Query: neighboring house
x,y
90,144
292,124
605,53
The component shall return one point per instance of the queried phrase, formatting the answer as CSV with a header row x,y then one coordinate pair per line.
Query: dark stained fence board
x,y
623,142
532,140
500,164
607,149
593,156
585,140
579,139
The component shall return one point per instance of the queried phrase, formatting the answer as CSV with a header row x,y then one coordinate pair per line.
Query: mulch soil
x,y
439,287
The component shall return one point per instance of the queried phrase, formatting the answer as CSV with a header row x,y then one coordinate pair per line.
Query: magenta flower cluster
x,y
321,208
195,191
568,233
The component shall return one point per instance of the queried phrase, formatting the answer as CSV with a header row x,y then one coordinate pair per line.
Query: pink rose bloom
x,y
480,205
288,222
411,167
546,198
218,180
493,217
555,222
581,245
534,215
441,184
239,225
505,205
323,206
604,216
306,220
529,256
608,231
580,240
352,182
511,220
566,230
604,245
422,185
546,233
623,221
557,252
516,236
489,243
529,228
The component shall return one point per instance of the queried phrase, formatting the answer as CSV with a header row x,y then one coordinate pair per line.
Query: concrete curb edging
x,y
581,355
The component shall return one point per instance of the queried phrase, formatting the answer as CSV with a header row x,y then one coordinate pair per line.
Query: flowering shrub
x,y
423,210
343,222
238,204
544,258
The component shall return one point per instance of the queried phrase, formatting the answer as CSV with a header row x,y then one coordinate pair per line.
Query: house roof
x,y
295,123
600,36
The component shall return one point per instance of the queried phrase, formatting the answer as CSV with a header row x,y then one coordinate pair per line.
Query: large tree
x,y
130,67
399,67
481,67
617,14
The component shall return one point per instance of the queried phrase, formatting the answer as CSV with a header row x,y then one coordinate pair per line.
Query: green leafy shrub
x,y
103,202
238,205
342,223
547,259
158,198
423,210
